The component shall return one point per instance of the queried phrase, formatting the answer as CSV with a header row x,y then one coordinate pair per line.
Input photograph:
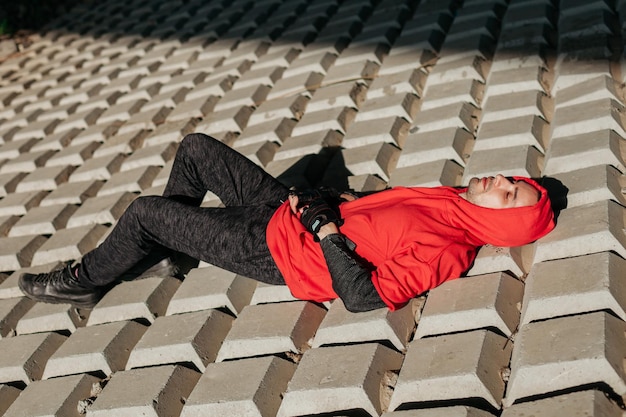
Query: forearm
x,y
351,277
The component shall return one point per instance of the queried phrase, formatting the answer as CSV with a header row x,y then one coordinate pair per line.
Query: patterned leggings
x,y
231,237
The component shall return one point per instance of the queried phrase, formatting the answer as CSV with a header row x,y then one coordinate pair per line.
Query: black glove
x,y
329,194
317,214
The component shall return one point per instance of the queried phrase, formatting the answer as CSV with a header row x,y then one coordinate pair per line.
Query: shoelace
x,y
62,274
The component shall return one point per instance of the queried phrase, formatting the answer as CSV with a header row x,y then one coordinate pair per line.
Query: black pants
x,y
231,237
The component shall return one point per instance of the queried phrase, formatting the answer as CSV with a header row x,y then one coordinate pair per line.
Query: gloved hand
x,y
329,194
317,214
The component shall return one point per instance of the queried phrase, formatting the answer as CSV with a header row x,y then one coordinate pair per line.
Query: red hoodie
x,y
415,238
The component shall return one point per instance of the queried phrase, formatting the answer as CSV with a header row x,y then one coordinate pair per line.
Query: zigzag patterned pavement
x,y
358,93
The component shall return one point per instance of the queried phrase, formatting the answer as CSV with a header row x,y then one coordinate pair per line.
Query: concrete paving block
x,y
167,99
133,181
57,397
290,329
402,105
182,338
471,368
290,107
120,111
466,66
251,96
277,130
157,155
574,286
584,403
38,129
232,119
11,311
72,193
507,81
44,178
451,143
524,130
438,95
298,84
485,301
103,348
342,327
316,62
578,151
454,411
170,132
392,129
362,70
267,293
377,158
430,174
516,260
45,317
555,354
153,392
251,387
212,287
572,71
596,183
10,150
589,117
341,95
458,115
523,103
9,287
334,379
26,162
592,228
101,209
308,144
42,220
18,252
601,87
259,153
212,88
337,118
95,133
24,357
81,119
98,168
144,299
522,160
68,244
9,182
8,394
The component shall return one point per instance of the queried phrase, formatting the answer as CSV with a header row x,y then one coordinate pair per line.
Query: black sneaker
x,y
59,287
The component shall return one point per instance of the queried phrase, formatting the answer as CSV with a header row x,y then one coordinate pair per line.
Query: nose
x,y
502,181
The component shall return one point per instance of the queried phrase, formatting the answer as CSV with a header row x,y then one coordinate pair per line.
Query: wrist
x,y
327,229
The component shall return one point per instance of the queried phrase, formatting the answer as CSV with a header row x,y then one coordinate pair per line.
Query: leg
x,y
203,163
232,238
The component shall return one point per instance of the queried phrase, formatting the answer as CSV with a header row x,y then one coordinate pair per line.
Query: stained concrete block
x,y
400,105
154,392
45,317
583,403
343,327
556,354
18,252
601,147
272,328
68,244
104,349
522,160
290,107
251,387
593,184
11,311
182,338
457,115
582,230
340,95
142,299
574,286
451,143
24,357
211,287
486,301
516,260
339,378
429,174
56,397
524,78
529,130
452,367
466,90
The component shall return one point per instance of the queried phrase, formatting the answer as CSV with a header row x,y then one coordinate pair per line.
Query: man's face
x,y
499,192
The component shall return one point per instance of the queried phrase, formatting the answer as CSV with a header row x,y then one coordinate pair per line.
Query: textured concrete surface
x,y
368,93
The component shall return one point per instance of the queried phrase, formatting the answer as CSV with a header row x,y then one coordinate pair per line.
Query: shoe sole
x,y
54,300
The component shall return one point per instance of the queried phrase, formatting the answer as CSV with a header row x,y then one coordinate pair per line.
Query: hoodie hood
x,y
505,227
